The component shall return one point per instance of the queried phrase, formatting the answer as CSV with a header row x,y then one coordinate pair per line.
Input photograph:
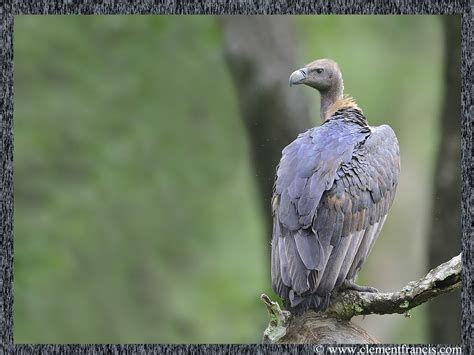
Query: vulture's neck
x,y
333,100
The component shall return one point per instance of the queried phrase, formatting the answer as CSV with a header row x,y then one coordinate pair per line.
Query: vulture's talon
x,y
349,285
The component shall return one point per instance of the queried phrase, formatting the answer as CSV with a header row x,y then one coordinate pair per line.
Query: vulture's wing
x,y
378,162
307,169
351,214
334,186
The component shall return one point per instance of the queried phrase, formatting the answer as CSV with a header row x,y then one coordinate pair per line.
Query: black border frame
x,y
218,7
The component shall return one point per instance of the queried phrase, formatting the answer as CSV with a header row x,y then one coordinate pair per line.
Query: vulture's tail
x,y
298,305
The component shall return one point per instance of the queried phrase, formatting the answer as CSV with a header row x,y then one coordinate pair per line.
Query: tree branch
x,y
349,303
444,278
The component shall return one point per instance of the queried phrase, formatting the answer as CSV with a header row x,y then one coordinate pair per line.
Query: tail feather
x,y
298,305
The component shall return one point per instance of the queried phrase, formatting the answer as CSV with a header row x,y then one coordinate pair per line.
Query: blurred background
x,y
145,148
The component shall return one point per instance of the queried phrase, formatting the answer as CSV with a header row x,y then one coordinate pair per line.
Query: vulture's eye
x,y
319,70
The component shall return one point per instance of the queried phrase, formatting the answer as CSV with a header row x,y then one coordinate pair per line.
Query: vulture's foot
x,y
350,285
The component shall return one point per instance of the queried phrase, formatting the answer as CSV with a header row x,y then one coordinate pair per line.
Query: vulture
x,y
334,186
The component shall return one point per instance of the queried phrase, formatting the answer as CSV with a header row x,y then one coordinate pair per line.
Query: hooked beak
x,y
298,76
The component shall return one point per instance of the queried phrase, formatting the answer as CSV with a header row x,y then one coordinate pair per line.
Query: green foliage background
x,y
136,212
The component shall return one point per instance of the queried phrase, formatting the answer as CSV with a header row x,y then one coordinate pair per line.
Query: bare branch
x,y
444,278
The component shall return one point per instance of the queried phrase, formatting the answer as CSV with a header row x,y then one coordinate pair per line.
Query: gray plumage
x,y
334,186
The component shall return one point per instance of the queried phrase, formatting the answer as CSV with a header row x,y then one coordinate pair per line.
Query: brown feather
x,y
344,102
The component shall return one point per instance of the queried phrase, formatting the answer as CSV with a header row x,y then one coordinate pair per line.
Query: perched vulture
x,y
334,187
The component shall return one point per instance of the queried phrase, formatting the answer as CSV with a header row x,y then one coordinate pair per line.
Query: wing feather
x,y
297,271
310,250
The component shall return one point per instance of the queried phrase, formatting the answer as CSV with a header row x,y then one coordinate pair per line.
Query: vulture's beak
x,y
298,76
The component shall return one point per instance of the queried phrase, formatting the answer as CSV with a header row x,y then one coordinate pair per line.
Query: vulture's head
x,y
322,74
